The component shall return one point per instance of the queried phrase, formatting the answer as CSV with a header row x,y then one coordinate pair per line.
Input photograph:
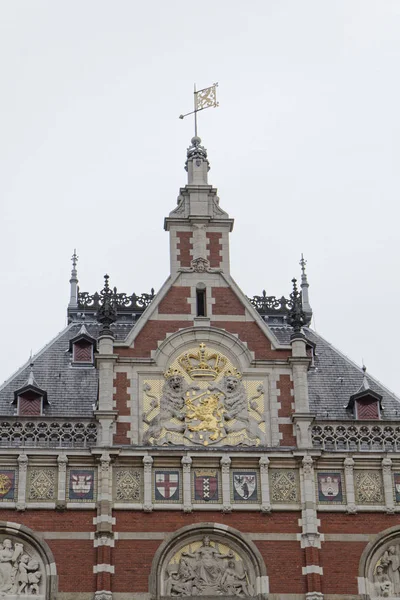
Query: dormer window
x,y
82,347
365,404
30,398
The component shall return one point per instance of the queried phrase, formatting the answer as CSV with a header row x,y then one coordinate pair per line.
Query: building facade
x,y
197,442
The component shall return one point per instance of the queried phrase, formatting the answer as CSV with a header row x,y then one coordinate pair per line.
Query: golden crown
x,y
203,364
172,373
233,373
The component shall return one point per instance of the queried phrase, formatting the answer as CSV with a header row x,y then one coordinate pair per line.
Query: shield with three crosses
x,y
167,485
206,485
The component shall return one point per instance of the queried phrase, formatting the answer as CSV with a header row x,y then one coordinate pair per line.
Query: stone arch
x,y
375,573
249,564
38,569
227,343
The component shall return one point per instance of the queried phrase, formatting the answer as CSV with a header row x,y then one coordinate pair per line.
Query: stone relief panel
x,y
42,485
245,486
284,486
167,485
8,485
207,568
128,484
81,485
396,486
22,573
203,400
384,581
368,487
330,487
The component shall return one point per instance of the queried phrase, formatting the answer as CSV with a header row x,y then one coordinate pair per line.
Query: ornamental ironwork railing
x,y
121,302
267,305
363,436
47,433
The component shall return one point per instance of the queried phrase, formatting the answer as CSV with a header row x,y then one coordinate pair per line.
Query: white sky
x,y
304,150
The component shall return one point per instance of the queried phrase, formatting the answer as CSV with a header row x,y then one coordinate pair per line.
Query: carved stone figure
x,y
236,406
172,406
391,561
383,585
19,572
207,572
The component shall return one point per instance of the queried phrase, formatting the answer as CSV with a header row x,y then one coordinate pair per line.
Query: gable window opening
x,y
201,302
82,352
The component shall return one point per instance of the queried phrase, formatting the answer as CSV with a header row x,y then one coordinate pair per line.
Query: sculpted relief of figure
x,y
19,572
208,572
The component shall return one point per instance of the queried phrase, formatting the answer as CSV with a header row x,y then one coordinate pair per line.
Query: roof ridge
x,y
351,361
38,353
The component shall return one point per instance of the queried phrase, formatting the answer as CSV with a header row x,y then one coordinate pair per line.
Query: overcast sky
x,y
304,150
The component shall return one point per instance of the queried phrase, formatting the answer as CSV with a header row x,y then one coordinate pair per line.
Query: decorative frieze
x,y
356,437
42,484
128,485
368,487
284,486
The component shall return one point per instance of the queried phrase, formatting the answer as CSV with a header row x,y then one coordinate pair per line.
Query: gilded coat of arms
x,y
203,401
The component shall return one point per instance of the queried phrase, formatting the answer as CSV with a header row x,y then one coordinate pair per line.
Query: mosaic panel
x,y
330,487
81,485
128,484
206,486
167,485
42,485
284,486
244,486
8,485
368,487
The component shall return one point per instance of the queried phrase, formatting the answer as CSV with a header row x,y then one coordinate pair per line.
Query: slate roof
x,y
71,391
334,378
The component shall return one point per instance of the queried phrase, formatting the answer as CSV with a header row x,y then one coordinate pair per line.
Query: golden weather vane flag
x,y
205,98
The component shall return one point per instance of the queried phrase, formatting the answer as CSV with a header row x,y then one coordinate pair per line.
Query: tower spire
x,y
304,288
73,300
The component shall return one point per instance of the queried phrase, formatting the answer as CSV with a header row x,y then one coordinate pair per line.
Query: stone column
x,y
62,461
302,418
22,473
310,537
388,485
349,480
105,413
147,482
264,483
226,488
186,483
104,536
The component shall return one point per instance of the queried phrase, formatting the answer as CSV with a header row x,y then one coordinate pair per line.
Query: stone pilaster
x,y
264,484
349,480
187,488
388,485
310,536
302,418
105,413
148,497
62,461
226,488
104,536
22,475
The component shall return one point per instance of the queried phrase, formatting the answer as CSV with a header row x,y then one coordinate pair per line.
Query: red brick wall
x,y
175,301
121,436
284,562
340,561
285,385
151,334
214,248
132,562
256,340
52,520
121,396
226,302
184,246
74,560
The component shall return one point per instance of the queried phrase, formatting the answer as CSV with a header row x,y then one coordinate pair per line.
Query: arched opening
x,y
27,567
208,559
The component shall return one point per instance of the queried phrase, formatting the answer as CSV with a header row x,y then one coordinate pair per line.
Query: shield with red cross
x,y
166,485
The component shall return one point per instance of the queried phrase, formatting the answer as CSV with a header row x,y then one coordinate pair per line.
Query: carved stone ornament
x,y
207,568
203,401
384,582
22,572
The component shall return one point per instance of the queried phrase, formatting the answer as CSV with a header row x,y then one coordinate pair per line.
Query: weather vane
x,y
205,98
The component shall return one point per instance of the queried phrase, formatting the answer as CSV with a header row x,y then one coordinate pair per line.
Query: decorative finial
x,y
205,98
31,378
304,290
303,265
365,384
107,312
296,317
73,299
